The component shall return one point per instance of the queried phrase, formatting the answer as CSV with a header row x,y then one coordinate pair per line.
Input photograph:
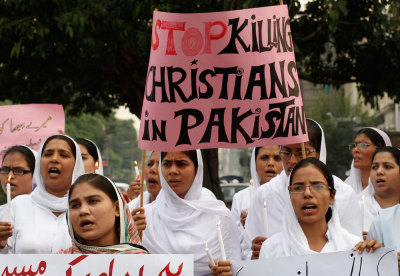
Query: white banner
x,y
96,265
347,263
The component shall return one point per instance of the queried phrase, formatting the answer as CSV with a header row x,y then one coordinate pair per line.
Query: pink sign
x,y
222,80
29,124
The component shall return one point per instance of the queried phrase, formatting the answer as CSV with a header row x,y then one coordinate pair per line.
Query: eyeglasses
x,y
16,171
361,145
297,154
299,189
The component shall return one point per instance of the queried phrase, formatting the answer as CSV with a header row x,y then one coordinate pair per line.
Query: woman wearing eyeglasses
x,y
311,224
17,169
275,192
365,143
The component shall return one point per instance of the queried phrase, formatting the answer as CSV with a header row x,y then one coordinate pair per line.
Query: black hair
x,y
374,136
90,146
101,183
314,134
395,152
27,153
189,153
64,138
324,170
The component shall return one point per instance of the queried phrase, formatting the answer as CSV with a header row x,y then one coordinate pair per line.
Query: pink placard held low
x,y
222,80
29,124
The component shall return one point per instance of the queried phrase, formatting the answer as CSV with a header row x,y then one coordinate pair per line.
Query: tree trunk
x,y
211,177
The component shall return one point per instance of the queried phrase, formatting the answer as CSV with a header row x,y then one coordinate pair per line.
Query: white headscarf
x,y
354,180
99,170
171,217
322,151
296,242
253,171
40,195
35,154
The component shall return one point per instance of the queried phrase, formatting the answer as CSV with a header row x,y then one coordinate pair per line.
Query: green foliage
x,y
91,56
340,121
116,139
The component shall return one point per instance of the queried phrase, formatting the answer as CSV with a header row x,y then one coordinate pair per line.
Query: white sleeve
x,y
230,236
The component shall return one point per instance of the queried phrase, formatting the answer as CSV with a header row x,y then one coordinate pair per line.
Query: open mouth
x,y
152,180
380,181
86,224
309,207
270,172
54,171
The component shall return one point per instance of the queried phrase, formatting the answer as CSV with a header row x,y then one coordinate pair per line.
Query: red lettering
x,y
157,43
192,42
172,26
209,36
169,273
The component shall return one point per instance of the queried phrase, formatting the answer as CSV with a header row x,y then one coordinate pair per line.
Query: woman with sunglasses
x,y
365,143
17,169
310,221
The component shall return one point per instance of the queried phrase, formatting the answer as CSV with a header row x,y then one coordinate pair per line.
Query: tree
x,y
115,138
340,122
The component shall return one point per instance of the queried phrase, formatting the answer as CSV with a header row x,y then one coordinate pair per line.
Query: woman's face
x,y
311,205
88,161
268,163
385,174
92,215
56,166
363,157
151,174
20,184
179,172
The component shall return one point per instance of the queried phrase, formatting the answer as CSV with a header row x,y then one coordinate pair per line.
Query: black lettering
x,y
288,46
260,71
256,126
281,35
235,127
184,129
275,80
293,91
278,116
225,72
158,132
174,85
260,37
203,79
215,113
146,133
231,47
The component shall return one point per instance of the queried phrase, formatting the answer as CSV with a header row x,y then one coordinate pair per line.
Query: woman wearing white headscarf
x,y
39,220
275,193
184,217
91,156
265,164
17,168
362,149
383,190
310,222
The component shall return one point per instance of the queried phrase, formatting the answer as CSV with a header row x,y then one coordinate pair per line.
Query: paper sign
x,y
346,263
222,80
96,265
29,124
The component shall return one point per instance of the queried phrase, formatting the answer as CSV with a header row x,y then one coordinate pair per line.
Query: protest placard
x,y
222,79
346,263
96,265
29,124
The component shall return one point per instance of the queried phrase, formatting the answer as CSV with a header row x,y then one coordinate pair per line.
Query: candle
x,y
221,241
265,219
9,199
210,257
137,171
362,211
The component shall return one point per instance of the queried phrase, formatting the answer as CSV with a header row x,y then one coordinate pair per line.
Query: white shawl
x,y
354,179
183,226
40,195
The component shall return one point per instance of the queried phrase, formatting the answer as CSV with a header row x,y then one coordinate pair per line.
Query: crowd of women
x,y
62,203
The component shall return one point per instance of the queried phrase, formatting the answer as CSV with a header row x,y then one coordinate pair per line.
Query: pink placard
x,y
222,80
29,124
